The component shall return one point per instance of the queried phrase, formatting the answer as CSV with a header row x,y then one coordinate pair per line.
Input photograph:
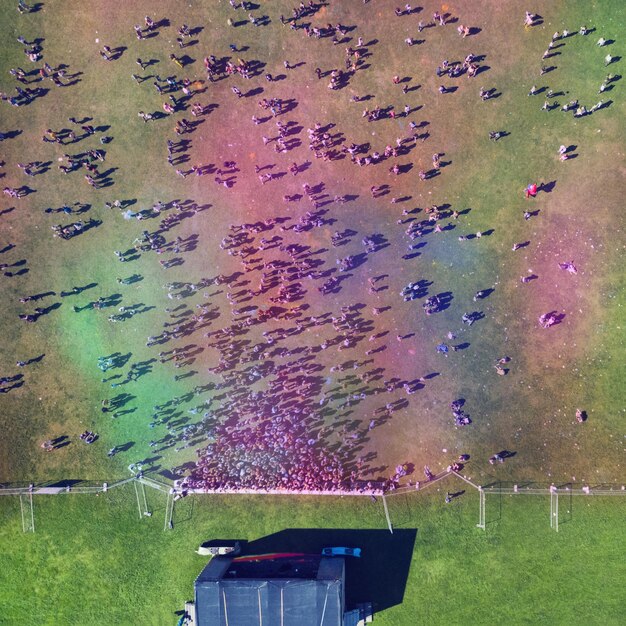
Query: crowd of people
x,y
273,421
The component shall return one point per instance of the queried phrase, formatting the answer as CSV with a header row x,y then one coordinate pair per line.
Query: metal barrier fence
x,y
552,490
26,492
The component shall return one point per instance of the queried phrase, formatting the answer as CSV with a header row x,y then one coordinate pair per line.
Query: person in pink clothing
x,y
531,190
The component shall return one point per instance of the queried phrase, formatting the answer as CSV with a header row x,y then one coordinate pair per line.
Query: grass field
x,y
517,572
92,561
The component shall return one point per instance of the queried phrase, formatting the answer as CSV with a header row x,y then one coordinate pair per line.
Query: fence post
x,y
554,508
138,499
481,508
169,511
28,513
555,494
387,514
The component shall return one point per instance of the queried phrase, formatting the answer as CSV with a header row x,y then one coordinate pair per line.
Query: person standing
x,y
531,190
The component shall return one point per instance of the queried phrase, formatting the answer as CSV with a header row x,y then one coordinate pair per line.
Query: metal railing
x,y
26,491
527,488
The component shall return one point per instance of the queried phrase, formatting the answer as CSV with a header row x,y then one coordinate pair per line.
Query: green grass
x,y
91,561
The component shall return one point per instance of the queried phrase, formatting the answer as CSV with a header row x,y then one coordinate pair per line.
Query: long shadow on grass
x,y
379,576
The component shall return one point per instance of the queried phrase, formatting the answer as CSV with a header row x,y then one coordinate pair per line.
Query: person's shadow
x,y
61,442
547,187
507,454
